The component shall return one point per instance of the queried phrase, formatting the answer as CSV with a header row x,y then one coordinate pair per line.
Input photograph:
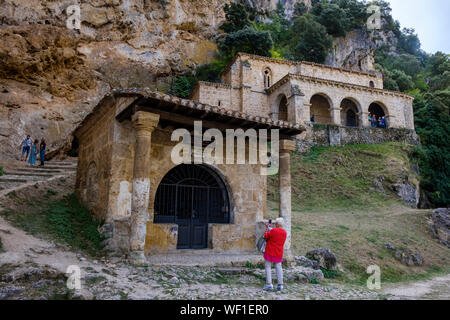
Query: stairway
x,y
24,174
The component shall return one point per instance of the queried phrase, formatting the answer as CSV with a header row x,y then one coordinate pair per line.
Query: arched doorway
x,y
320,109
282,109
192,196
378,110
349,113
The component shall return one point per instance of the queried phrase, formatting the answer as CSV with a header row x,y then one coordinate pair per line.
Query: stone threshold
x,y
204,257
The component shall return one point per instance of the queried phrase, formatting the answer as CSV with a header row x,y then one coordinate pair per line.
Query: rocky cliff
x,y
52,76
355,50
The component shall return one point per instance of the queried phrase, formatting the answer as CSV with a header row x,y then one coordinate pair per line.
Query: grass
x,y
343,178
64,220
336,205
361,243
2,171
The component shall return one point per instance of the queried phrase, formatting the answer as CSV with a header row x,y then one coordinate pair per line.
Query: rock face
x,y
52,76
440,226
409,258
324,257
355,50
268,5
307,263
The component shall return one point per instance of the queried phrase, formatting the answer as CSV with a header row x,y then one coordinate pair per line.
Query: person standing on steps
x,y
276,237
42,148
33,153
26,147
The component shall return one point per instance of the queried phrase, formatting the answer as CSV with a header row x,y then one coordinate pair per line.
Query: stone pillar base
x,y
137,258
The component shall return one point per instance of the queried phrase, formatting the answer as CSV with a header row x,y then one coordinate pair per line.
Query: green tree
x,y
404,82
236,17
408,41
310,40
333,18
247,40
433,125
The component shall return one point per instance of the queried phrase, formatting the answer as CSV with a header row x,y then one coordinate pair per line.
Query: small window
x,y
371,84
219,103
267,79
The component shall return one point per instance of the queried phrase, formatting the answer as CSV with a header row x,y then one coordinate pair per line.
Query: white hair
x,y
279,222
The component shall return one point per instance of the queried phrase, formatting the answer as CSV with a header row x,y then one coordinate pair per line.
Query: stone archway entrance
x,y
349,113
320,109
192,196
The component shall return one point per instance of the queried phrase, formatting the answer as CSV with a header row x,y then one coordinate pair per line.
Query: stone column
x,y
335,116
144,124
295,104
286,147
364,120
306,113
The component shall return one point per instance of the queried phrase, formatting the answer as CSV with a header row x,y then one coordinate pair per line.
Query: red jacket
x,y
275,242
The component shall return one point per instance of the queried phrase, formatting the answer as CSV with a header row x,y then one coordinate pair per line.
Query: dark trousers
x,y
42,155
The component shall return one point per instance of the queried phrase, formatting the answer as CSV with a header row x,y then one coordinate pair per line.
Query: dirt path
x,y
437,289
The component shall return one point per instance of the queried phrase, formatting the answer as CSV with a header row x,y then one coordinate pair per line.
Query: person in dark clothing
x,y
312,120
383,123
42,148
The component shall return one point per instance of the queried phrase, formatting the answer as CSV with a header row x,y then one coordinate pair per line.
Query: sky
x,y
430,19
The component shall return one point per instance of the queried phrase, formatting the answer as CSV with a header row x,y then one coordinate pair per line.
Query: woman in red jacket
x,y
276,237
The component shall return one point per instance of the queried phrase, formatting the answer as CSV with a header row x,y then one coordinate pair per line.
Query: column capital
x,y
145,121
287,146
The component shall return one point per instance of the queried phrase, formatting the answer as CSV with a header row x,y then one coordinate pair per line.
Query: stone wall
x,y
397,106
215,94
109,145
94,161
244,84
339,74
330,135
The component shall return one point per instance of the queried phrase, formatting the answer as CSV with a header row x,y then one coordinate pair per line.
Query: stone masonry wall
x,y
330,135
248,196
94,162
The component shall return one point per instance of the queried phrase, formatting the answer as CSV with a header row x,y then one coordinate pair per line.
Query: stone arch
x,y
280,109
320,109
350,112
380,110
267,77
92,186
193,196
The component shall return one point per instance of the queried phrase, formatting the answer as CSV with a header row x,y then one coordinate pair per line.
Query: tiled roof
x,y
206,108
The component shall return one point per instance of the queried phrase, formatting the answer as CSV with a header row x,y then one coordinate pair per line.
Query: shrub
x,y
329,274
71,222
247,40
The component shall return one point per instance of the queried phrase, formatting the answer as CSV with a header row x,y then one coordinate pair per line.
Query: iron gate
x,y
192,196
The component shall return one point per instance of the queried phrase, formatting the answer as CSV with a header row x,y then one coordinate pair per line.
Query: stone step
x,y
14,178
62,163
60,167
39,170
33,173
